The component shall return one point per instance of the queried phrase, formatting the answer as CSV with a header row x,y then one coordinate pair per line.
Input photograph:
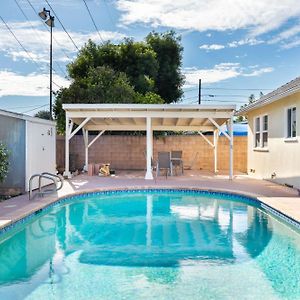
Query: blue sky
x,y
231,45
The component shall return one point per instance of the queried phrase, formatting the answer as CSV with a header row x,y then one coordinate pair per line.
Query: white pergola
x,y
149,117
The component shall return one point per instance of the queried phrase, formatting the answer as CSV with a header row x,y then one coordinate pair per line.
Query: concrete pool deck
x,y
284,199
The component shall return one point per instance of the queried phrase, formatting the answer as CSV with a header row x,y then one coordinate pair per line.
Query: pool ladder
x,y
56,179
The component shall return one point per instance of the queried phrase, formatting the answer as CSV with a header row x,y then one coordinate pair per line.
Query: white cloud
x,y
233,44
258,16
288,38
259,72
33,84
246,41
212,47
221,72
37,41
286,34
218,73
292,44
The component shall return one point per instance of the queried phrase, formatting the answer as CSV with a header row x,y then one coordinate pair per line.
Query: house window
x,y
265,132
261,132
257,132
291,122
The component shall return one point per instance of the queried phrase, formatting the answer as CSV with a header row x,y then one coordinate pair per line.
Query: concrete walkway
x,y
281,198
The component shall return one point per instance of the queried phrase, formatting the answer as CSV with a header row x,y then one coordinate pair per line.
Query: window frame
x,y
260,145
288,128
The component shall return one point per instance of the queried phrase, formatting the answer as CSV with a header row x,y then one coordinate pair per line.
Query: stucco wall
x,y
282,157
12,134
127,152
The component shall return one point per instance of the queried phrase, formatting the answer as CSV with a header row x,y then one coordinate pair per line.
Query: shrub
x,y
4,164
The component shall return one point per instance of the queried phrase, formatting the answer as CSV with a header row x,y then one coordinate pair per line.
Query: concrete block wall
x,y
128,152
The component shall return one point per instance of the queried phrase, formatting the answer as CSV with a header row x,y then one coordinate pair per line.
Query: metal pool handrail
x,y
53,177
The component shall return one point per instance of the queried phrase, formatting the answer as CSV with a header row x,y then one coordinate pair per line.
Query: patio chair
x,y
176,161
163,163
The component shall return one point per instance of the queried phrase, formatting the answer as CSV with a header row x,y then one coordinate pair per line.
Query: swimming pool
x,y
151,244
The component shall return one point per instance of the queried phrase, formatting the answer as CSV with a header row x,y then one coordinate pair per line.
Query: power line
x,y
229,89
212,100
224,95
63,27
27,52
27,111
55,40
29,55
37,36
18,107
93,21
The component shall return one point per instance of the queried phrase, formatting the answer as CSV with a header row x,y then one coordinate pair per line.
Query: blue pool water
x,y
151,245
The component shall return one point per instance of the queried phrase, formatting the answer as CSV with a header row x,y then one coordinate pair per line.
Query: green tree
x,y
43,114
151,66
101,85
251,98
136,59
169,80
4,163
129,72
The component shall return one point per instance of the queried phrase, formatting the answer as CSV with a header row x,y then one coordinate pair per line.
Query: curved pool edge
x,y
254,199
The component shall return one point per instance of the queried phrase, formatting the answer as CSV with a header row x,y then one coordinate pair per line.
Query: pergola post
x,y
67,154
86,147
216,138
149,174
231,149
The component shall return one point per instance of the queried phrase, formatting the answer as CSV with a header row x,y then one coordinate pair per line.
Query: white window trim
x,y
260,148
286,138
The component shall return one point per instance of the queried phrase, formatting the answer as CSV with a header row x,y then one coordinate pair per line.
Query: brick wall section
x,y
127,152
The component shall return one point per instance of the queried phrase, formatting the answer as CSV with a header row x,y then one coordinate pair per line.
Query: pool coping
x,y
60,200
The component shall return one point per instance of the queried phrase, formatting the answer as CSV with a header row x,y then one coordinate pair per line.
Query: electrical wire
x,y
27,52
93,20
37,37
227,89
38,107
63,27
212,100
55,40
20,107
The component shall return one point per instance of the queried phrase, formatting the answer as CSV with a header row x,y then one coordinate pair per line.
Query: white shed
x,y
32,146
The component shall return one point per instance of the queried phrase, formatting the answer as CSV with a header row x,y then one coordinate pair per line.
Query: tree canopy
x,y
129,72
43,114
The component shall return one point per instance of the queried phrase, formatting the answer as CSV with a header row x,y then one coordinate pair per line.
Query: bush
x,y
4,164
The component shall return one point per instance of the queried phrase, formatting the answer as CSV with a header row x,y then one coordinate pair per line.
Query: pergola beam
x,y
152,114
96,138
219,127
206,139
131,127
81,125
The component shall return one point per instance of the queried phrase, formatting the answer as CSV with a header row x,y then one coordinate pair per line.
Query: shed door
x,y
40,151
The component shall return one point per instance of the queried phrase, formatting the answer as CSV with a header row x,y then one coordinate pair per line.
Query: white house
x,y
273,135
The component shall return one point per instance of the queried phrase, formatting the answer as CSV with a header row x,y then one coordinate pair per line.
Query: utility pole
x,y
45,14
51,116
199,95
